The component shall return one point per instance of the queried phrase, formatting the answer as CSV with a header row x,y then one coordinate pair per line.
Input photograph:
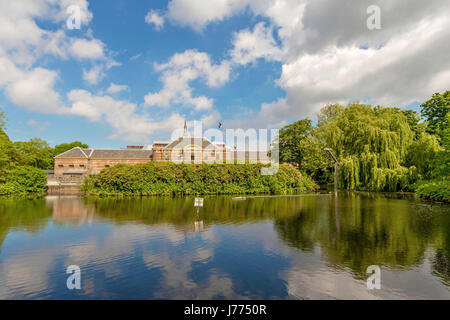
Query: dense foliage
x,y
378,149
438,190
166,178
37,153
21,163
435,112
23,180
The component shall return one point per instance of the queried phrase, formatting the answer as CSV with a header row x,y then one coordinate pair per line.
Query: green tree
x,y
422,153
435,112
441,168
329,113
9,156
2,119
35,152
371,144
413,119
294,142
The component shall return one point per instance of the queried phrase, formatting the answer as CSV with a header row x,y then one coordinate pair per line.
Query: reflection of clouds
x,y
309,278
175,274
177,281
203,254
217,286
19,277
178,284
324,284
171,261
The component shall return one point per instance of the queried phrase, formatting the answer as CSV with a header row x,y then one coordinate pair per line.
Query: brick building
x,y
77,163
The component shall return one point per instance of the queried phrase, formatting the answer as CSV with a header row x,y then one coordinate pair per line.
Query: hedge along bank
x,y
168,178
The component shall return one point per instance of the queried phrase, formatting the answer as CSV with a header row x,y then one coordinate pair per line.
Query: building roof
x,y
77,152
121,154
184,141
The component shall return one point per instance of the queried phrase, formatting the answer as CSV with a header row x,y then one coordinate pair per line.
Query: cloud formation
x,y
328,54
179,71
154,18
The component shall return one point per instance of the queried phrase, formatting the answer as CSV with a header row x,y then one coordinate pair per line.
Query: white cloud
x,y
61,14
87,49
136,56
116,88
94,75
320,45
181,69
123,116
329,55
195,14
155,18
34,90
251,45
98,72
23,42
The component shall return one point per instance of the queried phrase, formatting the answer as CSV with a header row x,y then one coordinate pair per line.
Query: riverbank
x,y
166,178
436,190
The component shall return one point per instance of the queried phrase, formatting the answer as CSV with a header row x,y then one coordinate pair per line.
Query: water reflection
x,y
260,248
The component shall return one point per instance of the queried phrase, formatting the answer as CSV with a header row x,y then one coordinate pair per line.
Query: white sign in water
x,y
198,202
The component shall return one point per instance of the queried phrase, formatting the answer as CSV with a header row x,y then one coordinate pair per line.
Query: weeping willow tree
x,y
371,143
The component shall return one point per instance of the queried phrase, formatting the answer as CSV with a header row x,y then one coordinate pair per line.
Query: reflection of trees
x,y
21,214
153,210
441,261
359,231
382,232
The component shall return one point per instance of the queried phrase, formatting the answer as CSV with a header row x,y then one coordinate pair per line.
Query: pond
x,y
266,248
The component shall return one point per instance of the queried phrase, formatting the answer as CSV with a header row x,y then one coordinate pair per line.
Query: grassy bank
x,y
436,190
167,178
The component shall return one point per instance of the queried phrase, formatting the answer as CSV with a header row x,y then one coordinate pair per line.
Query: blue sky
x,y
136,69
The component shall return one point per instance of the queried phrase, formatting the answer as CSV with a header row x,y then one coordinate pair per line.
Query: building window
x,y
107,166
81,165
217,156
166,156
71,166
61,166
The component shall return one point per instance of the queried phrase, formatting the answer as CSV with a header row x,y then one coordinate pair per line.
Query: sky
x,y
135,70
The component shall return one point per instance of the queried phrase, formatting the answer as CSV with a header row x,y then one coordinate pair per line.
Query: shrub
x,y
24,179
437,190
166,178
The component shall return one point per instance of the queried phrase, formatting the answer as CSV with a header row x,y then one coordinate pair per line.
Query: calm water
x,y
285,248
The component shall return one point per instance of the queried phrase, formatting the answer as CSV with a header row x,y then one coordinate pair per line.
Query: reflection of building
x,y
76,163
69,210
